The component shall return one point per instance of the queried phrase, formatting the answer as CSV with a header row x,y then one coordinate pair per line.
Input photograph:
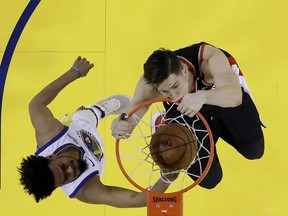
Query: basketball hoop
x,y
137,165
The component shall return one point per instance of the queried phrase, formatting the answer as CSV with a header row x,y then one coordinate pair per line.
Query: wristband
x,y
77,70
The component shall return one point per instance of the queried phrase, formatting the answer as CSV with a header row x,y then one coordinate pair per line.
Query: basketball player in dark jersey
x,y
206,79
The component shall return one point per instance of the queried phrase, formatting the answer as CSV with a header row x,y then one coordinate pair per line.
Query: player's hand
x,y
121,128
83,65
191,103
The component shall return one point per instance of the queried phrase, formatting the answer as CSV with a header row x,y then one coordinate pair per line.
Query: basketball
x,y
173,147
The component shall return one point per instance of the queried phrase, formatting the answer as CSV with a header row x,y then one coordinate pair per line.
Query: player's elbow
x,y
34,102
31,105
140,200
236,99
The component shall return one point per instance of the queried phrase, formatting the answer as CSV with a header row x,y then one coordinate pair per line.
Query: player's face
x,y
176,86
66,169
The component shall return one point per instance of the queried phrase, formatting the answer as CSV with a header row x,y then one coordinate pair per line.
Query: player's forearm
x,y
48,94
225,96
158,187
140,200
140,113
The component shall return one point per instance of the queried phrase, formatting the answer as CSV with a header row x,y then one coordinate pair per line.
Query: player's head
x,y
159,65
65,168
164,70
40,175
36,177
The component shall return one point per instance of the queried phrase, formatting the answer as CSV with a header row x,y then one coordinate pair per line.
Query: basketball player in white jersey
x,y
206,79
70,152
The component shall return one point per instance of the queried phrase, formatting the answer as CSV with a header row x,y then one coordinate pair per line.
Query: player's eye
x,y
163,92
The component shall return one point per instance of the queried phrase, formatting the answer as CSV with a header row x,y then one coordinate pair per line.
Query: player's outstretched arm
x,y
46,126
94,192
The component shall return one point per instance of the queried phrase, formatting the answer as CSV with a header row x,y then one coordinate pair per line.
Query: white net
x,y
134,152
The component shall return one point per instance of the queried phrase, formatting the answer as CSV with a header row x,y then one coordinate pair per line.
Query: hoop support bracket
x,y
164,204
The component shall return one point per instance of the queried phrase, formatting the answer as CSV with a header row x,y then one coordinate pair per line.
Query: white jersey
x,y
84,136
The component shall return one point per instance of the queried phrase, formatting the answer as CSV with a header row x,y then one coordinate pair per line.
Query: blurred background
x,y
118,36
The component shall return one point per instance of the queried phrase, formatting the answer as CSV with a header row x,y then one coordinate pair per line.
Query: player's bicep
x,y
44,123
216,67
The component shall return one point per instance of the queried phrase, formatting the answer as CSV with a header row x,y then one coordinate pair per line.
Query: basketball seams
x,y
170,149
184,143
191,137
158,154
184,136
173,135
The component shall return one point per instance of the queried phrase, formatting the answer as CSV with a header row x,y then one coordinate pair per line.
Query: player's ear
x,y
184,69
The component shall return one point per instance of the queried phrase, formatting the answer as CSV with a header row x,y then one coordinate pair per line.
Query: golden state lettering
x,y
92,144
164,199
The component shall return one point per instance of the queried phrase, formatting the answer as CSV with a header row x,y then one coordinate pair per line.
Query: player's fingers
x,y
120,135
121,129
181,108
123,125
117,136
191,114
91,66
184,110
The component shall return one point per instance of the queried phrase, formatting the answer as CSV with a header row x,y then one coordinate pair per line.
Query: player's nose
x,y
68,170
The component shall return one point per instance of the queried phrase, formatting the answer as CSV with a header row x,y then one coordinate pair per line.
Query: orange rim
x,y
205,171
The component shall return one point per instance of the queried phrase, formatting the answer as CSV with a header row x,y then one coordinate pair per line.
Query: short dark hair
x,y
36,177
159,65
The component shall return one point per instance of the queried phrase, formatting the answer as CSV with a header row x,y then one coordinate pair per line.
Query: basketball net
x,y
137,165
